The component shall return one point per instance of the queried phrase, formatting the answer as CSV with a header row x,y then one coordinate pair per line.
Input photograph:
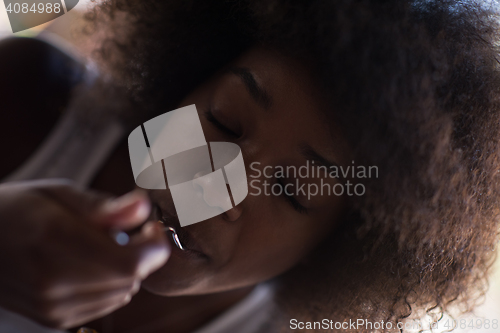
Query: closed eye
x,y
291,199
223,128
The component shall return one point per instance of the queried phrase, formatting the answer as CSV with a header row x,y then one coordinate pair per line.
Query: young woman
x,y
407,88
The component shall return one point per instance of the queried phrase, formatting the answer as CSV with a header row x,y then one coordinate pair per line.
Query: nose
x,y
234,213
216,196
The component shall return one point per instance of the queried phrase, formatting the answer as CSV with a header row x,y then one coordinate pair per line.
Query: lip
x,y
189,243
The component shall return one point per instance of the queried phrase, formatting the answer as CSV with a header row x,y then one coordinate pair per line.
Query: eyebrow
x,y
258,93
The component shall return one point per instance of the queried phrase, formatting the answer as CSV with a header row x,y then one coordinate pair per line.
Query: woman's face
x,y
271,107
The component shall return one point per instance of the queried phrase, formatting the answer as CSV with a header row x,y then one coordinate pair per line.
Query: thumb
x,y
151,249
125,212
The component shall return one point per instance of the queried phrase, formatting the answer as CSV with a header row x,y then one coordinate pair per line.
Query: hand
x,y
60,266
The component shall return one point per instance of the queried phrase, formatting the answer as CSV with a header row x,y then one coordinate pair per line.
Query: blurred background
x,y
65,27
65,31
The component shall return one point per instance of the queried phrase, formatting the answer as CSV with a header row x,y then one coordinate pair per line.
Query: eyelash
x,y
291,199
211,118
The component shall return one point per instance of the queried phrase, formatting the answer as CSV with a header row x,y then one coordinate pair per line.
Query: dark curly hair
x,y
415,88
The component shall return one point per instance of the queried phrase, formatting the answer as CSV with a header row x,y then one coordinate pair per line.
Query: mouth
x,y
183,243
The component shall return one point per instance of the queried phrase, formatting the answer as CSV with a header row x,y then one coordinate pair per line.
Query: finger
x,y
150,248
81,302
63,312
97,311
66,194
87,312
125,212
88,285
146,252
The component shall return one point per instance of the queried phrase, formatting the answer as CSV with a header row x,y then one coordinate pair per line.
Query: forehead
x,y
284,77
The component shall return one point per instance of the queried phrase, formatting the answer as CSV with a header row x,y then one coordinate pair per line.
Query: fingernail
x,y
156,256
135,200
151,228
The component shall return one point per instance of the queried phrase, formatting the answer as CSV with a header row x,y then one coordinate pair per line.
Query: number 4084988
x,y
478,323
34,8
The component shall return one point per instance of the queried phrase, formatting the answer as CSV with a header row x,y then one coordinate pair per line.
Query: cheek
x,y
268,239
276,238
269,245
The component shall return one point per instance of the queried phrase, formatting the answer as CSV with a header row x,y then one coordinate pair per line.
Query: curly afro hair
x,y
415,87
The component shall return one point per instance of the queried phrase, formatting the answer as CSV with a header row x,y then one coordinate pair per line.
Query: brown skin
x,y
259,239
63,267
264,235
